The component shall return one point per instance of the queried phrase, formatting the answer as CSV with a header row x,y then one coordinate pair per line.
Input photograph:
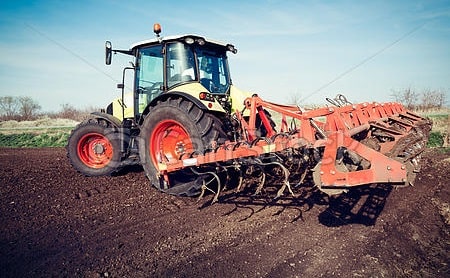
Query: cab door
x,y
149,76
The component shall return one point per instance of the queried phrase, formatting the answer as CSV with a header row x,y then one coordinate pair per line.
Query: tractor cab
x,y
188,65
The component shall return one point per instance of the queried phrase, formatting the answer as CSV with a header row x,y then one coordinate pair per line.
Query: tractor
x,y
192,130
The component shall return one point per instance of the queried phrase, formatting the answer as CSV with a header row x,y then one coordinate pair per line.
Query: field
x,y
58,223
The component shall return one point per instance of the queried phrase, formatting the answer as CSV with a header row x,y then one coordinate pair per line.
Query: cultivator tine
x,y
302,178
227,176
205,185
285,181
241,180
261,183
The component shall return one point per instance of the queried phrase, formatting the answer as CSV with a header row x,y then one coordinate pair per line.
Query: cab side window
x,y
149,75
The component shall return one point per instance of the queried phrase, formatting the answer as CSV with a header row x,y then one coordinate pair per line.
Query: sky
x,y
53,51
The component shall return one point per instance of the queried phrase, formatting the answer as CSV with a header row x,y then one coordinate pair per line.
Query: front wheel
x,y
174,129
93,148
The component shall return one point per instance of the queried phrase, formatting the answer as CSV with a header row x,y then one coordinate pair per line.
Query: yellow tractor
x,y
182,101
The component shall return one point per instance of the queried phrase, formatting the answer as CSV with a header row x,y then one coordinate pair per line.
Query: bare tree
x,y
68,111
9,107
18,108
408,97
28,108
432,99
441,98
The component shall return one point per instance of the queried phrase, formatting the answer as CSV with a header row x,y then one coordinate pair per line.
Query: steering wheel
x,y
154,88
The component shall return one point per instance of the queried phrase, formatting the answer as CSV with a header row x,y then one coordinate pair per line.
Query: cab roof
x,y
160,40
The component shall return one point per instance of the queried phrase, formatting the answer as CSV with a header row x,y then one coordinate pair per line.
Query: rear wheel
x,y
94,148
173,129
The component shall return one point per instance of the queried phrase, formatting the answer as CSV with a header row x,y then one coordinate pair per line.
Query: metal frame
x,y
327,128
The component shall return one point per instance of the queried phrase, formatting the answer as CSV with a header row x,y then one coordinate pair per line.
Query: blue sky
x,y
53,51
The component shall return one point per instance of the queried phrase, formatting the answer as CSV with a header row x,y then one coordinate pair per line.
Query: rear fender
x,y
107,117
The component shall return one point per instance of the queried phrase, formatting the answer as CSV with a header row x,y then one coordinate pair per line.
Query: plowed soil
x,y
57,223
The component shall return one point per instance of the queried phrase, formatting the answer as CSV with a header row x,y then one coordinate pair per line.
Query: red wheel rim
x,y
95,150
169,141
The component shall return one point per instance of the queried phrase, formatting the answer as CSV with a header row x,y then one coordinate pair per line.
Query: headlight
x,y
189,40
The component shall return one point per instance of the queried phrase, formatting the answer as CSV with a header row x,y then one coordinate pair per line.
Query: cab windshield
x,y
207,65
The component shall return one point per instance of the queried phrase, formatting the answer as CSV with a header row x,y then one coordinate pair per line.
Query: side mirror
x,y
108,52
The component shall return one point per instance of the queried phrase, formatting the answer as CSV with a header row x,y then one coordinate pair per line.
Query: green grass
x,y
436,139
32,140
40,133
438,117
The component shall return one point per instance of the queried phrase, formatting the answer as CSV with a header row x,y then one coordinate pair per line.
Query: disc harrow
x,y
343,145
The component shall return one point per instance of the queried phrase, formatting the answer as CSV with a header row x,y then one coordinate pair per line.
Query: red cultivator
x,y
344,146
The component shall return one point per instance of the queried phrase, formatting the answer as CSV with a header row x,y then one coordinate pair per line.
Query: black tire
x,y
199,130
93,148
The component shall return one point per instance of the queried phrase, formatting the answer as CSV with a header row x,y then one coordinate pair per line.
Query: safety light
x,y
206,97
157,28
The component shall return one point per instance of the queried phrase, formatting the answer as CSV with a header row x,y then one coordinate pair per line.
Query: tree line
x,y
424,101
18,108
27,109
